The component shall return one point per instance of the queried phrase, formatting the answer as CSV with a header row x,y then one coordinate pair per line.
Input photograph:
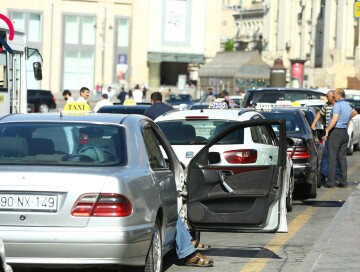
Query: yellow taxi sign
x,y
357,9
77,108
129,102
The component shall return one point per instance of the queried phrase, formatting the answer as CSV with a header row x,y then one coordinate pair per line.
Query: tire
x,y
350,149
289,198
43,108
154,258
357,146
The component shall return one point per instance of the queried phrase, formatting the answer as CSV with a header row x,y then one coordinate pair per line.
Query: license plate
x,y
28,202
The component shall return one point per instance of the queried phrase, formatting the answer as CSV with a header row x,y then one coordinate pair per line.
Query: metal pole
x,y
103,50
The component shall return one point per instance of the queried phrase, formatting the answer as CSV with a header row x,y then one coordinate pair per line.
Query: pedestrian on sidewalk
x,y
324,114
84,95
338,138
104,101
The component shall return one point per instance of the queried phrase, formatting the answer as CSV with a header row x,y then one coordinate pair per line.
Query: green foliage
x,y
229,45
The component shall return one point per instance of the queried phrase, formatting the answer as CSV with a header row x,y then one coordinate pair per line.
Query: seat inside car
x,y
42,146
13,147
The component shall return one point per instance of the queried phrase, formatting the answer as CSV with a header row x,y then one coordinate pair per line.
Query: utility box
x,y
278,74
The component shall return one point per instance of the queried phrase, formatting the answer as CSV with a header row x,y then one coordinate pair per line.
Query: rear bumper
x,y
77,246
303,173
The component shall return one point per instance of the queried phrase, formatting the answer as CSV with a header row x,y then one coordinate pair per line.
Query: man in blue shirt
x,y
338,138
158,107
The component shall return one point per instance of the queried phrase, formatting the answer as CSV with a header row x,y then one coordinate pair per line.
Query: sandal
x,y
200,260
198,245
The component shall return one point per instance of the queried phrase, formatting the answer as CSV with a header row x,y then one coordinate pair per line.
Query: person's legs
x,y
333,148
184,246
341,158
324,164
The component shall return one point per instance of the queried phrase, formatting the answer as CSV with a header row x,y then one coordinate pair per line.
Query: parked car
x,y
176,100
306,151
4,267
273,94
40,101
106,189
189,131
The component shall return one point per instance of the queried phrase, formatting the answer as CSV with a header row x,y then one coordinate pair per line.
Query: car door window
x,y
153,150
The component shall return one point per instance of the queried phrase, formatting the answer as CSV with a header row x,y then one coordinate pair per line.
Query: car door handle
x,y
222,179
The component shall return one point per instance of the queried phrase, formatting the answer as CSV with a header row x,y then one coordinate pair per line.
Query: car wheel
x,y
154,258
289,198
43,108
350,149
357,146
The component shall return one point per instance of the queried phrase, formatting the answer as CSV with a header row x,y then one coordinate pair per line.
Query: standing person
x,y
185,245
138,94
210,97
325,113
157,107
104,101
122,95
338,138
84,95
67,96
129,95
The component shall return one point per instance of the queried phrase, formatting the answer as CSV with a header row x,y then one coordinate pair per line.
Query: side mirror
x,y
37,70
214,157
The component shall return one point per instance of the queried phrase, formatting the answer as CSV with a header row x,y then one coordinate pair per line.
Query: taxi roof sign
x,y
129,102
218,105
77,108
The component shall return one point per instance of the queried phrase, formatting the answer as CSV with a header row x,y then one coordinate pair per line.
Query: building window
x,y
122,39
79,52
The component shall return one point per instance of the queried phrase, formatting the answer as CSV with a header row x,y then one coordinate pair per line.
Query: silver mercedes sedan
x,y
87,190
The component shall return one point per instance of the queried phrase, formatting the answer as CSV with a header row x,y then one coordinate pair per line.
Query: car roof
x,y
227,114
124,109
282,89
57,117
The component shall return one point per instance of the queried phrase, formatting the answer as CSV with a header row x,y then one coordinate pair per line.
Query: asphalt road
x,y
267,252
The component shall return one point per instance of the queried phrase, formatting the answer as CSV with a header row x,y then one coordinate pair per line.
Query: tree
x,y
229,45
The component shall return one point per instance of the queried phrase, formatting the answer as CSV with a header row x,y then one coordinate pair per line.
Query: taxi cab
x,y
88,189
254,147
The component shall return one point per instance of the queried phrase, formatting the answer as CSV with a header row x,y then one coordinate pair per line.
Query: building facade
x,y
319,37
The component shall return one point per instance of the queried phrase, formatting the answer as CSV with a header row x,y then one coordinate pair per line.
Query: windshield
x,y
183,132
62,144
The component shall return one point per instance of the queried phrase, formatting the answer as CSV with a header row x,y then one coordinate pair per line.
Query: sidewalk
x,y
338,249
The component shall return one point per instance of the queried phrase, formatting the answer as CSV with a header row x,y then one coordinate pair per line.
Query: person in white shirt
x,y
137,94
104,101
67,96
84,95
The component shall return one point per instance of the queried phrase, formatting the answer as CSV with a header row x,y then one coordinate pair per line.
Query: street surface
x,y
268,252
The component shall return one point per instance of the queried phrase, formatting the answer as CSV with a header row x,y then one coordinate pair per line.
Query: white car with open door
x,y
189,131
224,195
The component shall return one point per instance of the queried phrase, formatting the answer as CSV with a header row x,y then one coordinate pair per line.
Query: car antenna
x,y
201,106
61,114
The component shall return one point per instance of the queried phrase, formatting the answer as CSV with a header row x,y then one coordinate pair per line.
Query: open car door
x,y
245,192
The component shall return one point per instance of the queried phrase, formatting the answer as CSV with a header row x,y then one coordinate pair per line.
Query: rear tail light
x,y
241,156
102,205
53,99
299,152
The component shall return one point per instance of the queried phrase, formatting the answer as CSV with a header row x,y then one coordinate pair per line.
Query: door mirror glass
x,y
37,70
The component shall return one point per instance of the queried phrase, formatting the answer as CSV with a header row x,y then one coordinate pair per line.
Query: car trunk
x,y
37,196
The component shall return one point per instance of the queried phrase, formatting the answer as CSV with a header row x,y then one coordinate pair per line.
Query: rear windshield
x,y
293,124
182,132
62,144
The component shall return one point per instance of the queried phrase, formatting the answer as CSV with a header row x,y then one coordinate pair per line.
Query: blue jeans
x,y
325,162
184,246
